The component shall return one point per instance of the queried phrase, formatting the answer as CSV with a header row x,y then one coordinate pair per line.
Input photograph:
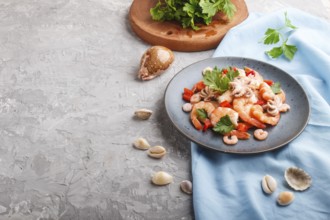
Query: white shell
x,y
186,186
143,113
161,178
268,184
297,178
285,198
157,152
141,144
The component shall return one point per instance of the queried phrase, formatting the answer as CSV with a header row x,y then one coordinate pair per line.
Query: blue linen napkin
x,y
228,186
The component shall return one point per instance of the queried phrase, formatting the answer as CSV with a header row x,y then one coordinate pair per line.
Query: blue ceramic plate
x,y
291,124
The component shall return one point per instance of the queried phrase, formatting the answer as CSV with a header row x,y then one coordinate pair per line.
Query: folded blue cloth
x,y
228,186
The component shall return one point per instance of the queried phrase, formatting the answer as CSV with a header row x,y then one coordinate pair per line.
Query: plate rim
x,y
238,152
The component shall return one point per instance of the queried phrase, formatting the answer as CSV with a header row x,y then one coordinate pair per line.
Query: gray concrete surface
x,y
68,91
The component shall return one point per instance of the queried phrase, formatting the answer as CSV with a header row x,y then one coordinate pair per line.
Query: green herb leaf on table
x,y
273,36
224,125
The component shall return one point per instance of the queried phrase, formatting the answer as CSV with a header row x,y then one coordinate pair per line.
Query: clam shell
x,y
143,113
268,184
297,178
161,178
285,198
186,186
157,152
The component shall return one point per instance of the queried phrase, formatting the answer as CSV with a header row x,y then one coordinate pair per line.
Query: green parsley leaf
x,y
275,52
224,125
272,36
215,80
276,87
289,51
191,12
288,22
201,113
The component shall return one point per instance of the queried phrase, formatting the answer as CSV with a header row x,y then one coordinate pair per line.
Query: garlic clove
x,y
141,144
161,178
157,152
154,62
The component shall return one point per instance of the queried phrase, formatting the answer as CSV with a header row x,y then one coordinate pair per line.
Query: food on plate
x,y
161,178
285,198
157,152
186,186
190,13
143,113
268,184
233,101
297,178
154,62
141,143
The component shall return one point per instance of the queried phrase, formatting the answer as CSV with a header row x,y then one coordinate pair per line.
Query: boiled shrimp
x,y
230,139
260,134
243,107
258,112
266,92
207,106
220,112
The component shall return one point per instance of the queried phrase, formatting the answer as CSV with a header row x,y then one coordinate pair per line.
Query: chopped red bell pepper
x,y
187,93
243,126
200,85
249,71
224,71
207,124
261,102
226,104
269,82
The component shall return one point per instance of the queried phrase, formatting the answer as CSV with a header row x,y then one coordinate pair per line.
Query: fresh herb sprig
x,y
217,80
224,125
191,12
273,36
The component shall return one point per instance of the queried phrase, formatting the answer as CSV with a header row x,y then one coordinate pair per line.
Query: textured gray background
x,y
68,91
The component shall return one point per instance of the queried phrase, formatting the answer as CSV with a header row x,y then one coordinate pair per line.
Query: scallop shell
x,y
297,178
285,198
161,178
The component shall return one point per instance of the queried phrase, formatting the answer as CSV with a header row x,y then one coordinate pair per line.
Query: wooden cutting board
x,y
173,36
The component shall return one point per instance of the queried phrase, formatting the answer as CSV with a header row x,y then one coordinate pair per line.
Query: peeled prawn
x,y
230,139
243,107
207,106
266,92
258,113
220,112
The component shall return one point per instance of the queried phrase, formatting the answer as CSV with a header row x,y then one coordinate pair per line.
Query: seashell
x,y
268,184
143,113
154,62
187,107
186,186
161,178
141,144
297,178
285,198
157,152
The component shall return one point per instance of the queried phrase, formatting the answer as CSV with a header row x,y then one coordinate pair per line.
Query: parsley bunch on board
x,y
191,12
218,81
273,36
